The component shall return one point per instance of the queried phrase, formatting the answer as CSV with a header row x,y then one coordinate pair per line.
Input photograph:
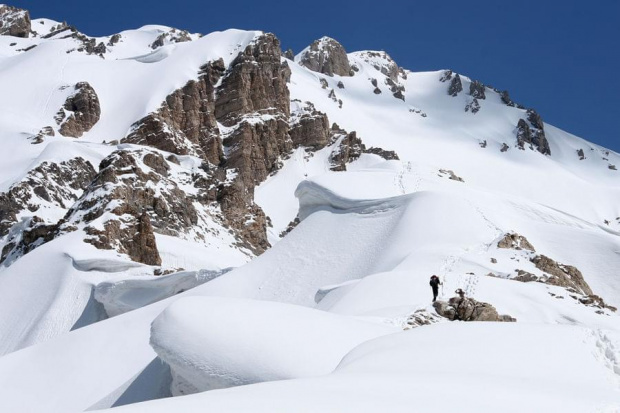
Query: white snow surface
x,y
286,342
297,328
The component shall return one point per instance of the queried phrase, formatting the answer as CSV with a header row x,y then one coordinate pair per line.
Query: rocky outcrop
x,y
468,309
138,193
456,86
185,123
114,39
397,89
445,76
565,276
472,106
254,102
136,239
255,82
450,174
532,134
326,56
57,184
173,36
421,318
309,127
14,21
80,112
516,242
505,98
477,90
383,63
581,155
255,147
350,147
251,99
50,185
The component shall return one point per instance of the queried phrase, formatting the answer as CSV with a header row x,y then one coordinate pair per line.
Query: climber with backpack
x,y
435,283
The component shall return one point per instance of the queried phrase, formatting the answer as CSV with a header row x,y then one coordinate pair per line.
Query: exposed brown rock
x,y
525,276
309,128
53,184
185,123
14,21
385,154
326,56
56,183
515,242
256,146
468,309
80,112
562,275
351,148
255,82
242,215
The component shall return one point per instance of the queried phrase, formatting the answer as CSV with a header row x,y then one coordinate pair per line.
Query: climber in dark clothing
x,y
435,283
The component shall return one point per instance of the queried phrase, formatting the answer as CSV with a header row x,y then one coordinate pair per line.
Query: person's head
x,y
433,276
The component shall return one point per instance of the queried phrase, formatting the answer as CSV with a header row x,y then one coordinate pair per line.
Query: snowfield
x,y
314,324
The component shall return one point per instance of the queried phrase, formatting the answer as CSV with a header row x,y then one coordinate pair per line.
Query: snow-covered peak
x,y
325,55
381,61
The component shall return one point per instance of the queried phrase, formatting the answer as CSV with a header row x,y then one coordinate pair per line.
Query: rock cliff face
x,y
251,100
14,21
326,56
309,127
255,82
185,123
80,112
254,102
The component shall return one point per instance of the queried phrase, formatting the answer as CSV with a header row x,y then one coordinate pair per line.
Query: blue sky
x,y
560,57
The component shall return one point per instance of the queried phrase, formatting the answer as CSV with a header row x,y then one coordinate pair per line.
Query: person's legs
x,y
435,292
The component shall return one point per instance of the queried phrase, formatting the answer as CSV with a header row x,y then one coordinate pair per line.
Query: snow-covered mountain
x,y
193,223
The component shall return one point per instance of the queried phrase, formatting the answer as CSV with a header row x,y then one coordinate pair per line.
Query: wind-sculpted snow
x,y
461,367
213,343
313,197
125,295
